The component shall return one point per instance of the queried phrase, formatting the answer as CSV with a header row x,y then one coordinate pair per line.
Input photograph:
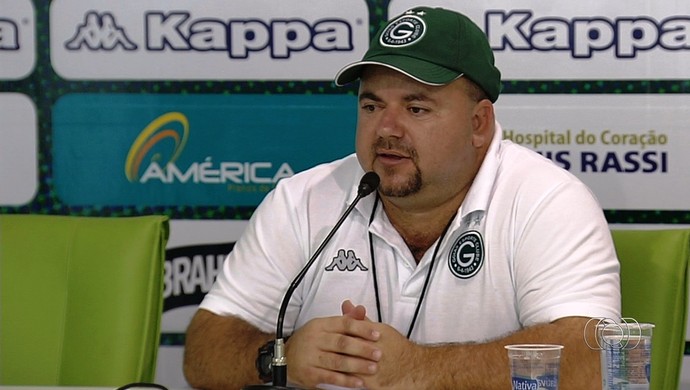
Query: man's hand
x,y
398,357
358,312
336,350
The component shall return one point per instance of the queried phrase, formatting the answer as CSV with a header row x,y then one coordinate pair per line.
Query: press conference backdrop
x,y
98,97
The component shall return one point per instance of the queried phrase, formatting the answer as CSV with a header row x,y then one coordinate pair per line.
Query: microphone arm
x,y
368,184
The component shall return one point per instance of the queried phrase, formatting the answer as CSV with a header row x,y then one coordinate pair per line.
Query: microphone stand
x,y
368,184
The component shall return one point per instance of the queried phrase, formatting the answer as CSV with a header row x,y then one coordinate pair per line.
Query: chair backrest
x,y
654,288
80,299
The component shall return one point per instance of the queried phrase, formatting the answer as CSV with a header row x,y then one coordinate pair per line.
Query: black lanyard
x,y
427,280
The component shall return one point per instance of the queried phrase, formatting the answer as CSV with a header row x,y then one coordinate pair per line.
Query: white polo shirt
x,y
529,245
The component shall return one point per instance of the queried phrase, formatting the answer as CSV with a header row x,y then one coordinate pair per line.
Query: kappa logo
x,y
466,255
404,31
100,32
625,36
178,31
346,262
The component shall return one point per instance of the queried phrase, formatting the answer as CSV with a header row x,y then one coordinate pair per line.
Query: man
x,y
471,243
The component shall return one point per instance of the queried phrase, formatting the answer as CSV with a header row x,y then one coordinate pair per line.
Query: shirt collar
x,y
479,195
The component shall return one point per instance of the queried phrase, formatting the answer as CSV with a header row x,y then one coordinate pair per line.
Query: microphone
x,y
368,184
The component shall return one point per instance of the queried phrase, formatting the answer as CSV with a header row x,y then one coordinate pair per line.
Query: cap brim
x,y
417,69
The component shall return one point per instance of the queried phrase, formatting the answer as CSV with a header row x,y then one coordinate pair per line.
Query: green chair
x,y
80,299
654,287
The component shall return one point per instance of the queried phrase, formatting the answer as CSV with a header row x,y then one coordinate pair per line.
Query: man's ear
x,y
483,121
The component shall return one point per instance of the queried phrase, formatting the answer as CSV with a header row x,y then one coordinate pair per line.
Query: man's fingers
x,y
361,328
347,307
339,350
347,364
358,312
342,347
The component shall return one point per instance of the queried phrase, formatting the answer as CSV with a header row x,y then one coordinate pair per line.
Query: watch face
x,y
265,361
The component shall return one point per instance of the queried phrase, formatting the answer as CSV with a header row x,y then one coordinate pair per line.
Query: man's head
x,y
434,46
424,122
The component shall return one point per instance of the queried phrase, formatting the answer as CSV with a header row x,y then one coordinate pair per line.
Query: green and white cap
x,y
433,46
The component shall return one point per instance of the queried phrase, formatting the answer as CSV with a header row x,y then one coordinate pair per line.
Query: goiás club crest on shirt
x,y
466,255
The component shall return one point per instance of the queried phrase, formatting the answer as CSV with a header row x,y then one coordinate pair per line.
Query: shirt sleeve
x,y
565,261
255,275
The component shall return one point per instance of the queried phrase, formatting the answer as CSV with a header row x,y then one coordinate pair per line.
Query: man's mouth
x,y
391,154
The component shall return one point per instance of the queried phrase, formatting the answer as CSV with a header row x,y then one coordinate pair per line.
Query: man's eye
x,y
369,108
417,110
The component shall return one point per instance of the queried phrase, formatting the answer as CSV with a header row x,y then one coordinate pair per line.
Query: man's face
x,y
420,139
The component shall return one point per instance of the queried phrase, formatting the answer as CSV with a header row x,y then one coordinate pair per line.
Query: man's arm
x,y
481,366
220,351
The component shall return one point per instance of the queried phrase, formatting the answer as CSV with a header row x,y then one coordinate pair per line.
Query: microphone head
x,y
368,184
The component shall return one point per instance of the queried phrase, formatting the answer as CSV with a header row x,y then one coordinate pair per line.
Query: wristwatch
x,y
264,362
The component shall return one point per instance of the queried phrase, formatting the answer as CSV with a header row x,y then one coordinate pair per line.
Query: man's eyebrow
x,y
409,98
369,96
418,97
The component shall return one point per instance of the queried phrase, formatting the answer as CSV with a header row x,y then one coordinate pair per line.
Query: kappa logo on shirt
x,y
346,261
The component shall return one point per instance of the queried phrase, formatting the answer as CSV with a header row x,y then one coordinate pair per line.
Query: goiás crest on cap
x,y
405,30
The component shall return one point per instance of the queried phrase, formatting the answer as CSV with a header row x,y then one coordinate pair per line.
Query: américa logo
x,y
175,126
153,133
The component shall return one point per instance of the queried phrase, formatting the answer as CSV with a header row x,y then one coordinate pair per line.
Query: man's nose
x,y
390,124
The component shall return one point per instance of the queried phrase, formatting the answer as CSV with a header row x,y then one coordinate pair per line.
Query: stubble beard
x,y
411,184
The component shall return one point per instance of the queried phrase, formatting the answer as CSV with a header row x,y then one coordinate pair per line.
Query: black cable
x,y
428,276
427,280
373,263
